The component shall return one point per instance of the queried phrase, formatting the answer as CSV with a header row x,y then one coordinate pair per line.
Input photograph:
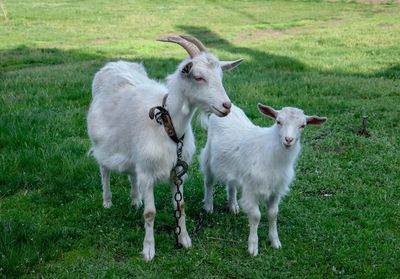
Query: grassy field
x,y
335,59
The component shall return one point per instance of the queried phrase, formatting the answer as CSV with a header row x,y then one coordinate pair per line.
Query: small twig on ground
x,y
3,9
320,136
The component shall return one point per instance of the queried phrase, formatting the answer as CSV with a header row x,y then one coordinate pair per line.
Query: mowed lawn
x,y
332,58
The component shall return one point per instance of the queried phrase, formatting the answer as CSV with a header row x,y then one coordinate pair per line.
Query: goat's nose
x,y
288,139
227,105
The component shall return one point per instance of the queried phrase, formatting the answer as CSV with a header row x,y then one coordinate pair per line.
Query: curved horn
x,y
194,41
187,46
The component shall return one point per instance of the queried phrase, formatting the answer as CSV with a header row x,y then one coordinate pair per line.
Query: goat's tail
x,y
203,119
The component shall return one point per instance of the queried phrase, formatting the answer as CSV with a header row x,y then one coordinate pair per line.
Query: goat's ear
x,y
315,120
268,111
229,65
187,69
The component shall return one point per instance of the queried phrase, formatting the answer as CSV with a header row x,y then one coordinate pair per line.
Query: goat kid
x,y
258,160
126,140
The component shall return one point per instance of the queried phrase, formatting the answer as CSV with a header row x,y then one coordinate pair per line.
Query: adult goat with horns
x,y
126,140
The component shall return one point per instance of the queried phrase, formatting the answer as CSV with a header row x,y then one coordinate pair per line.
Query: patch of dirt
x,y
100,41
256,35
334,21
377,1
370,1
336,149
385,25
339,149
252,36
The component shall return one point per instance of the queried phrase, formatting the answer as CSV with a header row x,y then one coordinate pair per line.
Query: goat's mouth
x,y
220,113
287,146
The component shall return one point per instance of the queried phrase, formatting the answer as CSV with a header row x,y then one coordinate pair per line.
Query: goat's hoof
x,y
107,204
276,244
185,240
137,204
148,253
253,249
209,208
235,209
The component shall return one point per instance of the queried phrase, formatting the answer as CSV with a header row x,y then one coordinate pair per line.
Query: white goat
x,y
259,160
126,140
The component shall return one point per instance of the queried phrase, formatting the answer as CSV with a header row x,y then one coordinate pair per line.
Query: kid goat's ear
x,y
187,69
268,111
315,120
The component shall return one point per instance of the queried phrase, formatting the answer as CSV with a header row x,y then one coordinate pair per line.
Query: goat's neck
x,y
180,109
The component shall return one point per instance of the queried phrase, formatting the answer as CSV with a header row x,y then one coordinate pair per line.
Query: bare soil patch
x,y
252,36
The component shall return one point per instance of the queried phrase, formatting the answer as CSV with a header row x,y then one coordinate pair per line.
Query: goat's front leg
x,y
254,216
105,182
272,205
249,203
183,237
149,215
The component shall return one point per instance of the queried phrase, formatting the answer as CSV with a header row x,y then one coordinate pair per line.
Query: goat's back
x,y
234,121
116,75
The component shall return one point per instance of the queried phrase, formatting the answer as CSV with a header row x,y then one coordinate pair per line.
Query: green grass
x,y
335,59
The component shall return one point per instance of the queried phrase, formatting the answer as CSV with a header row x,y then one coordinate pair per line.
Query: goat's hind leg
x,y
208,179
105,182
208,190
136,193
232,198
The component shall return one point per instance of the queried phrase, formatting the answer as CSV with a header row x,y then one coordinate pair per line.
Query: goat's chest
x,y
159,156
271,182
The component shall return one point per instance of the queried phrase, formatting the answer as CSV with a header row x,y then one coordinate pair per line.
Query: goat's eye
x,y
302,126
199,78
278,122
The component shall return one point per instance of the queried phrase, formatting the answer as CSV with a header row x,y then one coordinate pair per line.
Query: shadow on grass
x,y
263,60
25,57
389,73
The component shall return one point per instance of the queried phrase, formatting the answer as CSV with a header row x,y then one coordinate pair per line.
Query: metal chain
x,y
162,117
176,176
200,220
199,225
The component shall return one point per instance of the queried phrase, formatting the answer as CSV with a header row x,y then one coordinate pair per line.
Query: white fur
x,y
126,140
259,161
